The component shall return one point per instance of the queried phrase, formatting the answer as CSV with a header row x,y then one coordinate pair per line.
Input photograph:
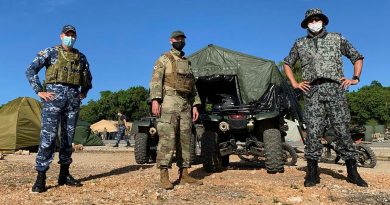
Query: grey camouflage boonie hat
x,y
314,12
176,34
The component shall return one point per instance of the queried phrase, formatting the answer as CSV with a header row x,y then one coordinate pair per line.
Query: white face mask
x,y
315,27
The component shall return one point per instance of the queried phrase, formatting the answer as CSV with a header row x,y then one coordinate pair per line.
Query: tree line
x,y
132,102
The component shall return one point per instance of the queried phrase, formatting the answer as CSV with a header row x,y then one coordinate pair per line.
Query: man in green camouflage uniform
x,y
324,84
174,95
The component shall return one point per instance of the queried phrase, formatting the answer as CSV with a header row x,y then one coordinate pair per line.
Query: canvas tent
x,y
84,136
110,125
20,123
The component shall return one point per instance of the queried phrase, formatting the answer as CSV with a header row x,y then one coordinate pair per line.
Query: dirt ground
x,y
113,177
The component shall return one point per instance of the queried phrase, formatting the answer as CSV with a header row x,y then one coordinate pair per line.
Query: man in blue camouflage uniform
x,y
121,130
67,70
324,84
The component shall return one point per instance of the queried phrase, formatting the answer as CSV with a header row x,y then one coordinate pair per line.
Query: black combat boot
x,y
40,184
66,178
312,175
353,175
128,144
116,145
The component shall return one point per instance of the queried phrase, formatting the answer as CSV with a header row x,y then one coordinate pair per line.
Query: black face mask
x,y
179,45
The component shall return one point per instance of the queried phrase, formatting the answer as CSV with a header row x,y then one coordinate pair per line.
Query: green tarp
x,y
20,123
254,74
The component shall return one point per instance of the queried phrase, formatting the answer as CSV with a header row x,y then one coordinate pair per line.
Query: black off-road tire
x,y
273,151
212,160
225,161
141,148
290,156
366,156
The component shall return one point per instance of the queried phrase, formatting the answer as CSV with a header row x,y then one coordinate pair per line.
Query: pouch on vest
x,y
184,80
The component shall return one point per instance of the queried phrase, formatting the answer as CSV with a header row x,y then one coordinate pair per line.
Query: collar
x,y
177,52
319,35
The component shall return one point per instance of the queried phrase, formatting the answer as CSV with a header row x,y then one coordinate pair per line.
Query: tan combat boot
x,y
185,178
164,179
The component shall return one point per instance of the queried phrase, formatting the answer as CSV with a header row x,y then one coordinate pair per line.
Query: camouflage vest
x,y
120,121
67,69
323,60
181,78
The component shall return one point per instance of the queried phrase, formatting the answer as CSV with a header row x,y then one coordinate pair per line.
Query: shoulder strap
x,y
173,63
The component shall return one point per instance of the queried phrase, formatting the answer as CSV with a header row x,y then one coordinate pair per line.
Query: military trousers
x,y
174,130
64,110
121,134
327,104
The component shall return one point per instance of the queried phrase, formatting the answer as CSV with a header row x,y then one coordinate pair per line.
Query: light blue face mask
x,y
68,41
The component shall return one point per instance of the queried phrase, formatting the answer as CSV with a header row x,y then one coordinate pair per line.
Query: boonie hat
x,y
314,12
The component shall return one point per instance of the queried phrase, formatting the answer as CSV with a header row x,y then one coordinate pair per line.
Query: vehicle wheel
x,y
153,156
366,157
273,151
141,148
225,161
290,157
212,160
329,155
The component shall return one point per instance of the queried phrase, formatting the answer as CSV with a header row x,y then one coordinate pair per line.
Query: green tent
x,y
251,75
20,124
84,136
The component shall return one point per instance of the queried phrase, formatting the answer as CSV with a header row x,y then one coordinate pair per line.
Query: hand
x,y
195,114
46,96
304,86
82,96
156,108
345,83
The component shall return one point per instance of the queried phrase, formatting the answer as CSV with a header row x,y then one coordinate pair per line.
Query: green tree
x,y
370,104
133,102
296,68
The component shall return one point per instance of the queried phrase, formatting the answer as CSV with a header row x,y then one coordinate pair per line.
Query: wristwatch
x,y
355,77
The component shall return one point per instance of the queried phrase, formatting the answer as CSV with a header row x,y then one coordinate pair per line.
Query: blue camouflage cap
x,y
67,28
314,12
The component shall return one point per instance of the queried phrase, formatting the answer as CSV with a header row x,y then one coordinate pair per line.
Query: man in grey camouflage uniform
x,y
67,70
324,84
174,95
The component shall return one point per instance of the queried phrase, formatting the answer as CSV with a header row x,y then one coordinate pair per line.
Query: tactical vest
x,y
181,78
67,69
120,121
323,60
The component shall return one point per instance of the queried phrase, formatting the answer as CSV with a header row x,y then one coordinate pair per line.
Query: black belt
x,y
320,81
